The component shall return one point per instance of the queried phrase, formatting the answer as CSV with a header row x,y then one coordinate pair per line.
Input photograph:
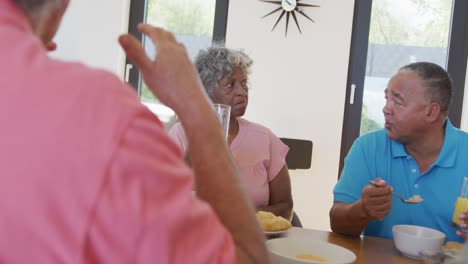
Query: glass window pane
x,y
192,22
401,32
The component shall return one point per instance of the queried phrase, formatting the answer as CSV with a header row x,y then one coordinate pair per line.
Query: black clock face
x,y
289,8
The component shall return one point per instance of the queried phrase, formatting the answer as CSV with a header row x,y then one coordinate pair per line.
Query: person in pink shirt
x,y
259,154
88,173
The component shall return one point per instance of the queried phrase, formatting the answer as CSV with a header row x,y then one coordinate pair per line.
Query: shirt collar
x,y
447,154
398,150
11,15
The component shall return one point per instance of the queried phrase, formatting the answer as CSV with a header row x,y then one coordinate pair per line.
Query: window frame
x,y
138,12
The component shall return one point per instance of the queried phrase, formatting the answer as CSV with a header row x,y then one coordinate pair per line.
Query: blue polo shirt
x,y
375,155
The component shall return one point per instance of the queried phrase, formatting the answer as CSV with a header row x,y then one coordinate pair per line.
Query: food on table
x,y
272,223
415,199
453,247
311,258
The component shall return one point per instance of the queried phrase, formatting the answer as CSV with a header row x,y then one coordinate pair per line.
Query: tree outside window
x,y
191,21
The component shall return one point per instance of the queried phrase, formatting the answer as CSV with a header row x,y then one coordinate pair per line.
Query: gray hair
x,y
36,6
436,80
217,62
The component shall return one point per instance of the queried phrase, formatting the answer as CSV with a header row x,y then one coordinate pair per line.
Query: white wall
x,y
89,33
298,86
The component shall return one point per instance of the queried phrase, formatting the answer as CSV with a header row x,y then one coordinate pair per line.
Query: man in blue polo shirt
x,y
418,153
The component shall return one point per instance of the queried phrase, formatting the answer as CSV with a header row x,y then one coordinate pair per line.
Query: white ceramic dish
x,y
284,251
411,240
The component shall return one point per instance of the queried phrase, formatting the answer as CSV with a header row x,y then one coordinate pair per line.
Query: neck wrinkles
x,y
429,146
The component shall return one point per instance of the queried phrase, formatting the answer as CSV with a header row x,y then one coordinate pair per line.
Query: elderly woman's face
x,y
232,90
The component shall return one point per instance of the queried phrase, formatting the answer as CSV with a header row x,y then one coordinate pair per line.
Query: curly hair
x,y
436,80
217,62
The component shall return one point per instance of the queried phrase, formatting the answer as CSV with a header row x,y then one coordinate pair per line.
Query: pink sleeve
x,y
178,135
146,212
278,153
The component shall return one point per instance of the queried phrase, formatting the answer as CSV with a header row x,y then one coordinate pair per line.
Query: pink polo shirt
x,y
258,153
88,174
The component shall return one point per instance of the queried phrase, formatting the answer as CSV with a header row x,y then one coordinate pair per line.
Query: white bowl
x,y
411,240
284,251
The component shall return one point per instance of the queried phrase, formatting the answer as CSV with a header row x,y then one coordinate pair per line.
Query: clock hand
x,y
289,3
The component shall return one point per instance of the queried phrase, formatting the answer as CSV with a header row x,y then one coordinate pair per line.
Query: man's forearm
x,y
218,184
348,219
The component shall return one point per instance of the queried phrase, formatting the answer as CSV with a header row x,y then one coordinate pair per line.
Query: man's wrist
x,y
361,211
193,109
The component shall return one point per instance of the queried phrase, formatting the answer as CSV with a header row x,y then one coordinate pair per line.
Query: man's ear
x,y
433,111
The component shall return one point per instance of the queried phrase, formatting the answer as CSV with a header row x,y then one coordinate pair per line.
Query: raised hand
x,y
170,76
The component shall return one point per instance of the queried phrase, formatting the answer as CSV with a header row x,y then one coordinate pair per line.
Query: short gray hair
x,y
217,62
35,6
436,80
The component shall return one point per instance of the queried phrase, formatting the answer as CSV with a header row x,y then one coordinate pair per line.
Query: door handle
x,y
128,67
351,95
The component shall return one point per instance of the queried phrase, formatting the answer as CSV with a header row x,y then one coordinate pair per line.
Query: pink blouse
x,y
258,153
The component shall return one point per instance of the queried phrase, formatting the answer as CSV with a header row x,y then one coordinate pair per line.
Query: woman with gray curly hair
x,y
259,154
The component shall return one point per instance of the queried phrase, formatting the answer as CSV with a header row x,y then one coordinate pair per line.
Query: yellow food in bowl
x,y
272,223
311,258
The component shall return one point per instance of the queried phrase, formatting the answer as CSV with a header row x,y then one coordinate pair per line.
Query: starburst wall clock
x,y
290,8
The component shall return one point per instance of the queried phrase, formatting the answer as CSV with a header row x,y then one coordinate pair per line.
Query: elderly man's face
x,y
232,90
406,108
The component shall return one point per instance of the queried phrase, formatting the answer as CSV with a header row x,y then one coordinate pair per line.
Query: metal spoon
x,y
411,200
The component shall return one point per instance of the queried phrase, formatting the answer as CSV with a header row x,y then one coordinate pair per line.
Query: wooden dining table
x,y
368,250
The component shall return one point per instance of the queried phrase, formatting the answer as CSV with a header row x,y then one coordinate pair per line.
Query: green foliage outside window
x,y
181,17
146,94
367,124
387,28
